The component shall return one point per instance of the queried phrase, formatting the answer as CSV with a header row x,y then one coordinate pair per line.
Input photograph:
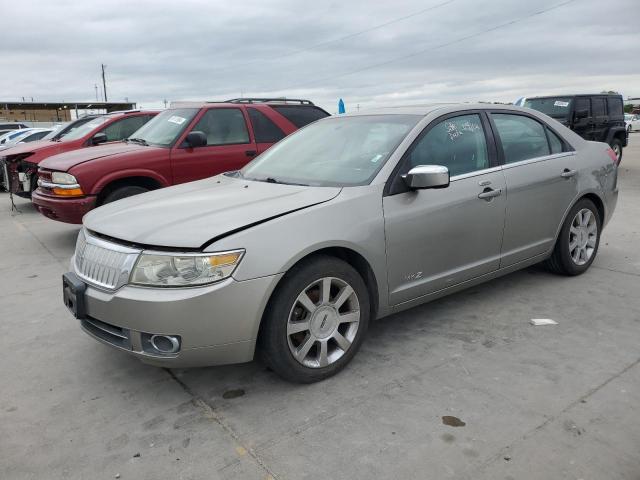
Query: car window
x,y
522,137
339,151
597,106
582,103
80,129
223,126
299,115
457,143
124,128
614,105
554,142
36,136
264,129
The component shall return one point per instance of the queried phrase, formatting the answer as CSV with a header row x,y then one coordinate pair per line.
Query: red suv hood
x,y
42,146
65,161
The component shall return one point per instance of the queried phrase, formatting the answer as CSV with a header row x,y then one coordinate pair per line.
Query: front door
x,y
442,237
230,146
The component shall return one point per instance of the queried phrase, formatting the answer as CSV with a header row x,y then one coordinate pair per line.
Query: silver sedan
x,y
351,218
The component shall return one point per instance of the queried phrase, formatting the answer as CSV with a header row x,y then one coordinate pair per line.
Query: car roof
x,y
426,109
578,95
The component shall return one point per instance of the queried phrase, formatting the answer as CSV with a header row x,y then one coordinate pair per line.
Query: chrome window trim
x,y
538,159
475,173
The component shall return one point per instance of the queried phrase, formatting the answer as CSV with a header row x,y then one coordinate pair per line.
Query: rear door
x,y
541,173
583,126
230,145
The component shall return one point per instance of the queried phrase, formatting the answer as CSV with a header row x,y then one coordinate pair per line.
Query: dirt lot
x,y
532,402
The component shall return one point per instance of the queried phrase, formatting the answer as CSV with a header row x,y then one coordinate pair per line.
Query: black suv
x,y
598,117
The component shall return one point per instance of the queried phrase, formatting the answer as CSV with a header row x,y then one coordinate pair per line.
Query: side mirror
x,y
581,114
196,139
427,176
99,138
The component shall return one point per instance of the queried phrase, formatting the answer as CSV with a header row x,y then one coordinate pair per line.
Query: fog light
x,y
161,344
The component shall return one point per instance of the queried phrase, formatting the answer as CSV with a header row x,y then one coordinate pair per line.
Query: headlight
x,y
63,178
186,270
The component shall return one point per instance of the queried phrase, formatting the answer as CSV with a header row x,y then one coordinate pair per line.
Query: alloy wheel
x,y
583,236
323,322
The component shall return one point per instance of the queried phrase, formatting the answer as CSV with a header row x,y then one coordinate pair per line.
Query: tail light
x,y
612,155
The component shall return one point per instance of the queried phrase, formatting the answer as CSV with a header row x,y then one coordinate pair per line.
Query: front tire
x,y
124,192
316,320
579,239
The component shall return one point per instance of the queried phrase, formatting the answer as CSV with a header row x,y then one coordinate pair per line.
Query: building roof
x,y
108,106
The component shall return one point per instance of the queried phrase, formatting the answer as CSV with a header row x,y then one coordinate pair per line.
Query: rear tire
x,y
124,192
309,335
616,146
578,242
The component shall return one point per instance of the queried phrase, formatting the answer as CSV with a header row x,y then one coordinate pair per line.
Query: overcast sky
x,y
368,52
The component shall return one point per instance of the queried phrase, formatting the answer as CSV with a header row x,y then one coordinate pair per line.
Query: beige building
x,y
55,111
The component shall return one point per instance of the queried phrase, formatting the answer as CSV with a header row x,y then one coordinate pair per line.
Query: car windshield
x,y
338,151
556,107
164,129
69,131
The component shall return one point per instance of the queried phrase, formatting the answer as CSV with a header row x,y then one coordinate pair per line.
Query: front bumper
x,y
218,324
68,210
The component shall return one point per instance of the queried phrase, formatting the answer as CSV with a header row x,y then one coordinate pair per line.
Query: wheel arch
x,y
597,201
351,257
142,179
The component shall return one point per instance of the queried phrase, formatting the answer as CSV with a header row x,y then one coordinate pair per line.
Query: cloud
x,y
199,49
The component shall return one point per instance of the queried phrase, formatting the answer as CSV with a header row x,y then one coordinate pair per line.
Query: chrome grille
x,y
104,264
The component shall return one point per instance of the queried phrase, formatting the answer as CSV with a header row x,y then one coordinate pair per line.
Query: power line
x,y
362,32
435,47
335,40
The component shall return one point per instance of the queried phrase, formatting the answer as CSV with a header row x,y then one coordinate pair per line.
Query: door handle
x,y
566,173
489,193
250,153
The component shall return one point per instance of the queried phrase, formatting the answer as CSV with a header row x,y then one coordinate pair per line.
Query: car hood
x,y
67,160
36,147
194,214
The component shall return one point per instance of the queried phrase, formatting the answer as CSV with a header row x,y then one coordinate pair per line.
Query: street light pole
x,y
104,83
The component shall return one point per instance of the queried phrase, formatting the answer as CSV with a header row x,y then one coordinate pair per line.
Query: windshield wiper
x,y
141,141
275,180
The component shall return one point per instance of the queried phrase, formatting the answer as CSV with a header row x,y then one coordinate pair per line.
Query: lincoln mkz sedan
x,y
349,219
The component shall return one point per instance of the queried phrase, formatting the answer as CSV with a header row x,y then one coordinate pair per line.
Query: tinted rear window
x,y
300,115
615,106
264,129
597,107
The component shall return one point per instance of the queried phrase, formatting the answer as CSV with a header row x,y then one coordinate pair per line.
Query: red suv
x,y
184,143
20,163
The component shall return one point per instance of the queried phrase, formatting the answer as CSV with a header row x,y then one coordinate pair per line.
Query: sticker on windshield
x,y
177,120
559,103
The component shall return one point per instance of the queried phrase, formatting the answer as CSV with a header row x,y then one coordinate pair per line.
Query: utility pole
x,y
95,85
104,83
165,103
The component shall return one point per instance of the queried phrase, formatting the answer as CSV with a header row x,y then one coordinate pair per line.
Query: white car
x,y
25,135
632,122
